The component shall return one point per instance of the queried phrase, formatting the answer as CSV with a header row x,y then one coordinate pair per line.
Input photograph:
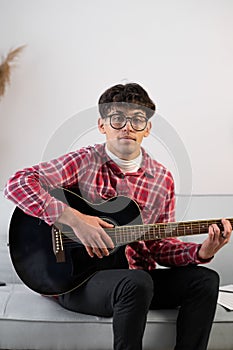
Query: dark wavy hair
x,y
131,95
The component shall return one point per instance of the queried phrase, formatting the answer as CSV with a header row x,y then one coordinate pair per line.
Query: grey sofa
x,y
30,321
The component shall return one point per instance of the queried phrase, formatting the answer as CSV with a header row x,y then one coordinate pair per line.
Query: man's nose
x,y
128,124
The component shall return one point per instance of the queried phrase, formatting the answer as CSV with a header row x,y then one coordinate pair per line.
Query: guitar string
x,y
159,227
193,228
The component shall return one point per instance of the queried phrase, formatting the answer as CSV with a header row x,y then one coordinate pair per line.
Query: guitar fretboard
x,y
126,234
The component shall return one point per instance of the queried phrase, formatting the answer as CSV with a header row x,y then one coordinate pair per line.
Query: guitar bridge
x,y
58,248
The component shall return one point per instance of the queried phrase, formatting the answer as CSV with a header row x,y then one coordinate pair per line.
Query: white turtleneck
x,y
126,166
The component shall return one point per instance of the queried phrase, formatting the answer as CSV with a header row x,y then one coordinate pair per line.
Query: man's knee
x,y
137,284
208,280
211,279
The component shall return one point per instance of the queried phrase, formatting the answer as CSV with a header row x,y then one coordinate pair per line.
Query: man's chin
x,y
124,149
127,149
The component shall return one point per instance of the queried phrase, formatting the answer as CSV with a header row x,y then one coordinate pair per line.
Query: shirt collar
x,y
147,165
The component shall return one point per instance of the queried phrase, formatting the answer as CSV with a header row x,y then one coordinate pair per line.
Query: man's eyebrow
x,y
139,112
121,112
117,111
114,112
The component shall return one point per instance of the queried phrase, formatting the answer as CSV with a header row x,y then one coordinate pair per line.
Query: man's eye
x,y
118,118
138,120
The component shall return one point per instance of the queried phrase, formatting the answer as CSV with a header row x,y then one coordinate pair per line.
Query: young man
x,y
133,284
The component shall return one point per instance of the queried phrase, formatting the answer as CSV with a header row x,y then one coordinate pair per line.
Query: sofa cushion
x,y
39,322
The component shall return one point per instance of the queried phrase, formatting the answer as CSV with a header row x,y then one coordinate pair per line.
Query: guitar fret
x,y
159,227
133,232
116,236
142,233
126,234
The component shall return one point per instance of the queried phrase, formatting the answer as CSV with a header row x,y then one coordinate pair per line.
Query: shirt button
x,y
122,176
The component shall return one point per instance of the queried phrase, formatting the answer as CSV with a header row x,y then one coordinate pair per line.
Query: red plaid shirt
x,y
98,177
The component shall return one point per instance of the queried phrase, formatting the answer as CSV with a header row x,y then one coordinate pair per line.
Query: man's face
x,y
124,143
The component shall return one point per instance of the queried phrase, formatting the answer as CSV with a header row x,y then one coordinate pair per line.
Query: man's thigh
x,y
172,285
96,296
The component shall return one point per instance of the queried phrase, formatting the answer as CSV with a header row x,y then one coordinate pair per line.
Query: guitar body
x,y
32,253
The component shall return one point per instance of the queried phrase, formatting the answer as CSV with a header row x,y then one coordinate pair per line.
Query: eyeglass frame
x,y
126,120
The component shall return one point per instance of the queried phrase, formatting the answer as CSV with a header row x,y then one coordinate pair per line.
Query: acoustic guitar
x,y
51,260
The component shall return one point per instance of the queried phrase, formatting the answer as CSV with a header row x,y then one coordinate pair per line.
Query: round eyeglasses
x,y
118,121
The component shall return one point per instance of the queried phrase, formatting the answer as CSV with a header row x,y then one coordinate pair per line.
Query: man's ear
x,y
101,125
148,129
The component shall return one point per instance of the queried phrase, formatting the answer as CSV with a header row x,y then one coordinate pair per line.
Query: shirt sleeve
x,y
173,252
29,188
167,252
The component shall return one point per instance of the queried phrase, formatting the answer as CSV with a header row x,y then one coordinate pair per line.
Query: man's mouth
x,y
127,138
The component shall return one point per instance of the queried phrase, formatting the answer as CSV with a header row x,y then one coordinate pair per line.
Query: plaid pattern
x,y
98,178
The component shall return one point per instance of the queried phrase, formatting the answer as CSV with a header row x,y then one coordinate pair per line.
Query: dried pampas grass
x,y
5,68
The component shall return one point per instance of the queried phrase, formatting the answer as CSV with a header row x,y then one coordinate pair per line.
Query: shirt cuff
x,y
53,211
200,260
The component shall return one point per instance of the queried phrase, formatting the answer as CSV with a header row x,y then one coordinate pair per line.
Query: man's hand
x,y
215,240
89,230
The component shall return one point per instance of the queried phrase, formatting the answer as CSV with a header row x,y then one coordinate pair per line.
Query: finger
x,y
227,229
97,252
99,243
227,225
211,233
216,229
89,251
92,251
98,248
105,223
106,239
216,233
105,251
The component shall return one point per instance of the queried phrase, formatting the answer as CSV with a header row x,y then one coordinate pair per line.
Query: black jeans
x,y
127,295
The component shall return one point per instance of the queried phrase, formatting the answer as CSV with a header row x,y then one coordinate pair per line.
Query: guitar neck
x,y
126,234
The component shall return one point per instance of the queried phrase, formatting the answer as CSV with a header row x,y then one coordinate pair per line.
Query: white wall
x,y
181,51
